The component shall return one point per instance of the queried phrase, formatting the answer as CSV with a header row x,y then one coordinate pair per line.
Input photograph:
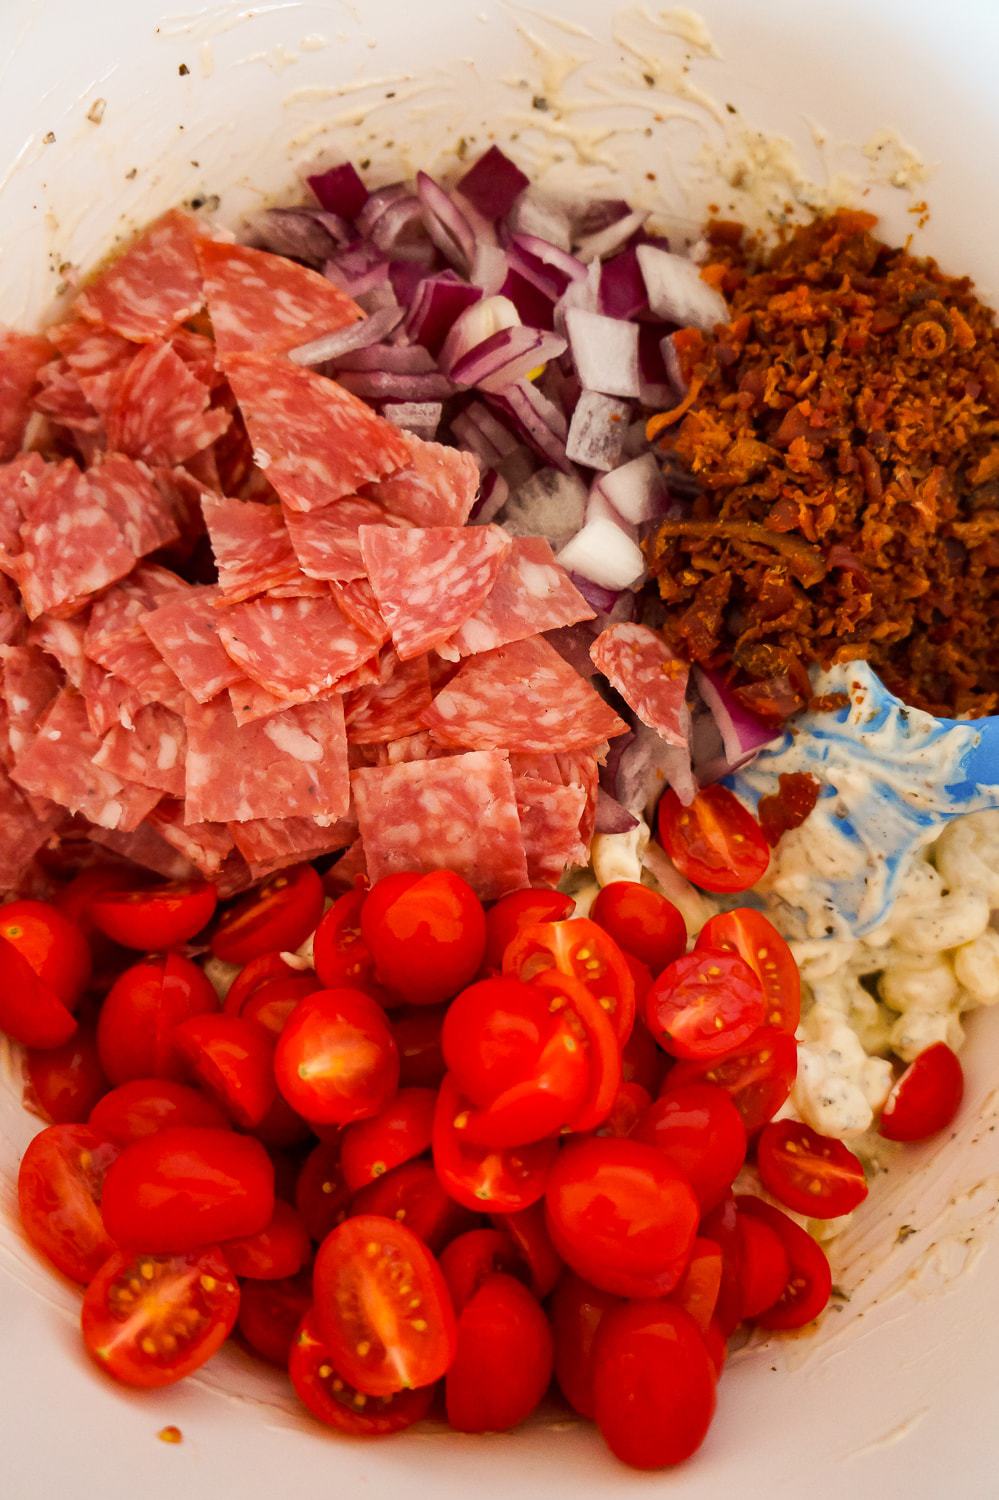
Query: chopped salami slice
x,y
253,552
419,746
392,707
207,845
429,580
314,440
22,833
434,485
293,645
651,680
64,640
94,355
358,602
134,659
250,702
159,411
458,813
521,697
537,767
20,481
109,700
581,768
327,542
148,849
59,765
302,588
349,868
267,304
199,355
21,357
31,681
550,817
126,493
291,765
181,493
152,286
269,844
70,546
115,614
185,631
532,594
61,397
152,753
12,620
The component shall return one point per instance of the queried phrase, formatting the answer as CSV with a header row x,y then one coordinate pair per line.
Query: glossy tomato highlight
x,y
278,915
154,918
426,934
715,843
138,1020
336,1059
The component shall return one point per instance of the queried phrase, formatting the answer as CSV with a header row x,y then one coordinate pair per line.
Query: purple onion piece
x,y
357,269
493,495
543,218
493,184
544,265
611,817
386,385
536,308
490,268
504,358
392,359
420,417
622,290
406,276
340,190
502,441
597,431
377,202
541,424
599,214
437,303
356,336
594,593
610,239
455,228
605,352
306,234
743,734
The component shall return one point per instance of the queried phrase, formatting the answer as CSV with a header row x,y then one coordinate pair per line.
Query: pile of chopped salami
x,y
349,667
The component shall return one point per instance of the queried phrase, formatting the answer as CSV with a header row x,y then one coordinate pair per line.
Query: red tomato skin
x,y
143,1106
135,1029
343,1261
328,1396
594,1031
810,1281
321,1194
187,1187
486,1179
339,952
699,1128
715,843
278,916
74,898
722,1226
654,1385
253,976
401,1131
234,1060
417,1033
765,1266
704,1005
412,1195
336,1060
51,944
110,1306
276,1252
622,1216
427,938
717,1346
630,1104
511,914
472,1257
62,1084
698,1292
529,1233
155,918
30,1012
768,1060
577,1310
813,1174
759,944
582,952
926,1098
270,1313
503,1362
642,922
270,1006
59,1189
642,1061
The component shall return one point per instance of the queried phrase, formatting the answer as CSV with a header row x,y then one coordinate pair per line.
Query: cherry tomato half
x,y
417,1033
234,1059
503,1361
472,1258
254,975
704,1004
641,1060
59,1189
715,843
814,1174
577,1310
412,1195
699,1128
581,950
270,1006
757,1075
764,1267
759,944
278,915
329,1396
277,1251
426,933
642,922
270,1314
630,1103
511,914
321,1195
593,1030
52,946
155,918
382,1307
809,1282
149,1320
400,1132
62,1084
926,1098
500,1179
145,1005
145,1105
621,1215
336,1060
339,952
529,1233
697,1293
722,1225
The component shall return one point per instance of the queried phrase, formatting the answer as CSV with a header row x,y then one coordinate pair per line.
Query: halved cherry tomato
x,y
270,1314
759,944
30,1012
704,1005
149,1320
254,975
59,1188
809,1283
764,1266
234,1059
145,1105
757,1075
325,1392
584,952
281,1128
722,1225
412,1195
336,1059
482,1178
717,1347
518,1062
641,1060
417,1033
426,933
275,1252
926,1098
62,1084
654,1384
715,843
186,1187
630,1103
157,917
271,1004
135,1030
74,898
473,1257
577,1310
594,1034
400,1132
511,914
322,1197
503,1361
697,1292
52,946
279,914
383,1307
622,1216
699,1128
529,1233
642,922
814,1174
339,952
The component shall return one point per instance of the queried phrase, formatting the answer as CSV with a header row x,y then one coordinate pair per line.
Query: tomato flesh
x,y
51,944
426,933
417,1031
30,1012
413,1195
926,1098
278,915
813,1174
330,1397
503,1361
642,922
234,1059
511,914
402,1131
577,1310
59,1190
336,1060
809,1282
156,918
704,1004
339,952
757,1075
62,1084
593,1031
499,1179
715,843
759,944
529,1233
144,1105
582,951
655,1384
699,1128
254,975
321,1194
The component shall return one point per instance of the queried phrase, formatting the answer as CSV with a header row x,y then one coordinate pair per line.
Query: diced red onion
x,y
543,264
611,817
378,298
743,734
359,335
606,241
647,766
538,421
502,441
671,364
605,352
454,226
406,276
597,431
394,359
420,417
622,290
398,228
508,356
602,551
579,296
384,385
598,507
357,269
543,219
550,504
468,437
636,490
476,324
494,492
307,234
437,304
595,594
536,308
490,269
493,184
340,190
598,214
677,291
656,387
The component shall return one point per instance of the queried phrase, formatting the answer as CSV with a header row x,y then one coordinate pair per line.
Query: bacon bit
x,y
656,425
788,807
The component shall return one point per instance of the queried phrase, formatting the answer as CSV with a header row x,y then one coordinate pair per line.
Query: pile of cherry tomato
x,y
462,1152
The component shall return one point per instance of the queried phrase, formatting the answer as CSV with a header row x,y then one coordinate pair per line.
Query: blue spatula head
x,y
891,777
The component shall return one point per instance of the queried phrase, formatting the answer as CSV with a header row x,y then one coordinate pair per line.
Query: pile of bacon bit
x,y
843,435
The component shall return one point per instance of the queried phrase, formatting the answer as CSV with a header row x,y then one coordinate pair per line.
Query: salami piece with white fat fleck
x,y
429,580
207,845
550,819
127,494
293,645
435,486
185,632
21,357
146,848
31,681
151,753
532,594
269,844
253,552
267,303
520,697
70,547
160,411
651,680
392,707
22,832
358,602
327,542
150,288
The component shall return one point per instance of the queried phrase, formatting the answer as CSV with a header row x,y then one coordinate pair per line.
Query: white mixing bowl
x,y
114,111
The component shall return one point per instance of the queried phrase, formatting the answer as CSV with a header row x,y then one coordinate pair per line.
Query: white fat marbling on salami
x,y
532,593
252,548
152,752
636,661
550,820
429,580
268,304
159,410
185,632
436,486
126,493
150,288
291,646
393,706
